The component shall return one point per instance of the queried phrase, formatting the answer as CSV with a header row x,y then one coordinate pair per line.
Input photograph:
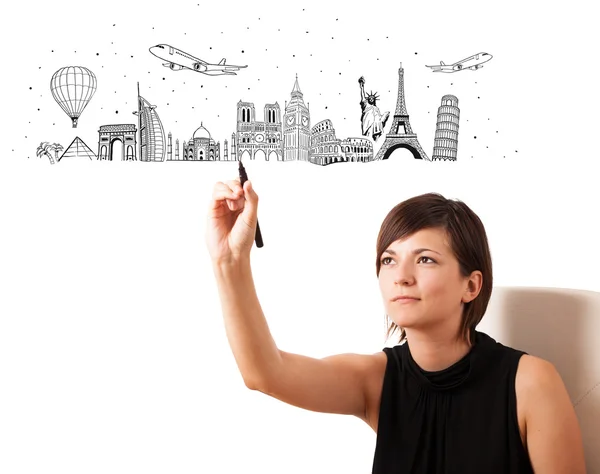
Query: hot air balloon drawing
x,y
73,87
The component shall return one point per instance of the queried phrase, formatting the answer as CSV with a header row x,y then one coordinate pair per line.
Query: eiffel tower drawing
x,y
401,134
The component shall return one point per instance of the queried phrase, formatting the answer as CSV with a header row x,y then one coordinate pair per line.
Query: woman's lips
x,y
405,299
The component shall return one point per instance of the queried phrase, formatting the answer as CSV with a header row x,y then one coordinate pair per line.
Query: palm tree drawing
x,y
57,147
44,149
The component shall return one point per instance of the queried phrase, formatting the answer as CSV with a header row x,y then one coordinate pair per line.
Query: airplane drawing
x,y
472,62
176,60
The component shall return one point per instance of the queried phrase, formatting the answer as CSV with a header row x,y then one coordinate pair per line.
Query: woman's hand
x,y
231,221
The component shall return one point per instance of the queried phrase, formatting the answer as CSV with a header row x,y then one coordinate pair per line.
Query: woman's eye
x,y
430,260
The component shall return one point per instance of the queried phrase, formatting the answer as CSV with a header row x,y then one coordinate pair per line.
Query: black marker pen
x,y
243,179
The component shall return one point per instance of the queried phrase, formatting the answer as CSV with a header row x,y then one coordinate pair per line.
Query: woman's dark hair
x,y
467,239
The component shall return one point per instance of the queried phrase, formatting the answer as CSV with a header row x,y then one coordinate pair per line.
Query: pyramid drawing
x,y
78,149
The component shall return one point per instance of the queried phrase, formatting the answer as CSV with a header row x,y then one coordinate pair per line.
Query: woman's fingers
x,y
235,186
228,190
228,193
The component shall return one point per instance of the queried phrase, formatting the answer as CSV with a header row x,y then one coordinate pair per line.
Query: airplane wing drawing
x,y
472,63
176,60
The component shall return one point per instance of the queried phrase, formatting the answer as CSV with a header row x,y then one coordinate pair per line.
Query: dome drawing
x,y
202,132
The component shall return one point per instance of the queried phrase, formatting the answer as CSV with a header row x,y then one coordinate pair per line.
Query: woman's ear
x,y
473,286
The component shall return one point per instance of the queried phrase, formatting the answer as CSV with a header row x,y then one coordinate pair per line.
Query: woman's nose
x,y
404,275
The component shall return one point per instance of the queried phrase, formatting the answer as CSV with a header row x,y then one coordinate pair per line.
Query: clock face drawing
x,y
305,120
291,119
259,137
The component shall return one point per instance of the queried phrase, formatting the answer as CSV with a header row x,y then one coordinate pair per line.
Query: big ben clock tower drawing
x,y
296,127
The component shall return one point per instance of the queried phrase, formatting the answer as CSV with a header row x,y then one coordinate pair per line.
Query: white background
x,y
113,355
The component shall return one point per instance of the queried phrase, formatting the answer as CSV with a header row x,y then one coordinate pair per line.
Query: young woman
x,y
447,398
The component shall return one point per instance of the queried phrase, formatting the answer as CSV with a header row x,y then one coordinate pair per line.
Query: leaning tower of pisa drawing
x,y
445,144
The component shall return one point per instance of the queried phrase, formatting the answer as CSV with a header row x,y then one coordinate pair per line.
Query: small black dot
x,y
163,78
30,88
116,111
242,50
474,137
415,53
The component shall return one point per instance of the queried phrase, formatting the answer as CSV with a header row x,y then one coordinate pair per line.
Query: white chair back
x,y
561,326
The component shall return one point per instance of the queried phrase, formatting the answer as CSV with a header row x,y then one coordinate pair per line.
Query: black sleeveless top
x,y
459,420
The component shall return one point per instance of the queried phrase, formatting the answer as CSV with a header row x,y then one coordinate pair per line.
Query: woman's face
x,y
423,266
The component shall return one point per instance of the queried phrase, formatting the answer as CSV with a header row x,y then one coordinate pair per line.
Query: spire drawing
x,y
296,86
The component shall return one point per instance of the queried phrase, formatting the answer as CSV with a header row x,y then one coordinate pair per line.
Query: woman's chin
x,y
405,321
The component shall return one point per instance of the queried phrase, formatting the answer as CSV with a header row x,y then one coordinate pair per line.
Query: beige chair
x,y
561,326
